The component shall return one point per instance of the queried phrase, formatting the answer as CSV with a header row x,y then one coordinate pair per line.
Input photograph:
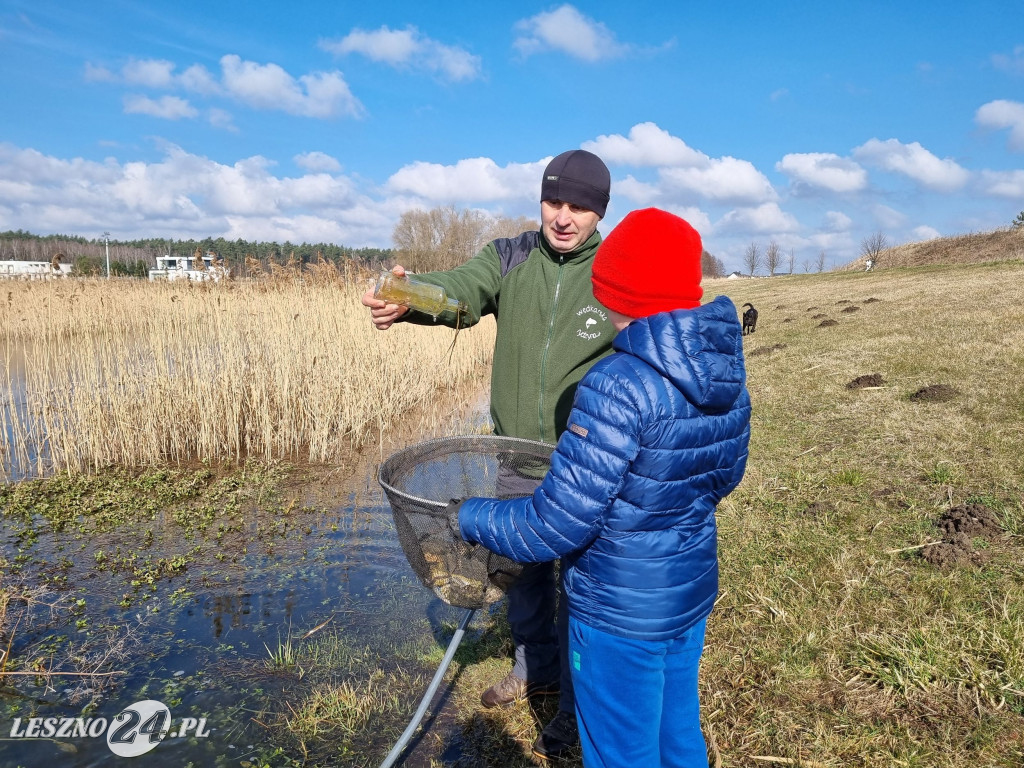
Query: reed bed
x,y
124,372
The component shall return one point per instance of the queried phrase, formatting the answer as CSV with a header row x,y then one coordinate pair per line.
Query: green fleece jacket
x,y
551,329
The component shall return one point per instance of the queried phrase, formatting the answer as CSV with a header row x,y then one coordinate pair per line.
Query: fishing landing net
x,y
421,480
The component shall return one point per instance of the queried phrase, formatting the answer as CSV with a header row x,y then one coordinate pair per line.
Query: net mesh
x,y
421,480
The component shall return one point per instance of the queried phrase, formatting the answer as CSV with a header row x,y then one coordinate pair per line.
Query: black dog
x,y
749,319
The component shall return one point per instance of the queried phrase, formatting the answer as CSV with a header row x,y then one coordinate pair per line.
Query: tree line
x,y
137,257
443,238
438,239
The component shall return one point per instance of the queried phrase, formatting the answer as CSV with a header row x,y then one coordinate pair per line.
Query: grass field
x,y
838,639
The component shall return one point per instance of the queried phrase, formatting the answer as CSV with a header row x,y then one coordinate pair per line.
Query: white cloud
x,y
33,167
647,145
185,195
166,107
837,221
726,180
391,46
268,86
925,232
408,48
150,73
260,86
763,219
220,118
1003,183
317,162
823,170
478,178
94,73
640,192
888,218
1013,62
567,30
1002,114
198,79
914,161
682,168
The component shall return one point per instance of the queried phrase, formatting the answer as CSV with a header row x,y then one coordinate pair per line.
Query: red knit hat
x,y
649,263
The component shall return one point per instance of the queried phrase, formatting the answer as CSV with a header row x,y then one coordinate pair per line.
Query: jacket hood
x,y
699,350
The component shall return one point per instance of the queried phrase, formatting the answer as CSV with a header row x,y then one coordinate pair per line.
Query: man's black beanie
x,y
580,178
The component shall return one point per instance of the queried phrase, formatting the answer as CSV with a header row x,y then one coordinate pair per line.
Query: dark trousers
x,y
539,622
541,637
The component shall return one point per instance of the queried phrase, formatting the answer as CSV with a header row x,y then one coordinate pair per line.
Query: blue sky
x,y
811,125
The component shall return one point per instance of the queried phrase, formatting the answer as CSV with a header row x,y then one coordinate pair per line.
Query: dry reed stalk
x,y
137,373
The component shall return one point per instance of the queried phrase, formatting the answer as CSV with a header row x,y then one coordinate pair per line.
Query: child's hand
x,y
452,511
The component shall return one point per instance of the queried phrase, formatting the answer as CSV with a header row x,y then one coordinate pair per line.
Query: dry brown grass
x,y
130,373
970,248
834,642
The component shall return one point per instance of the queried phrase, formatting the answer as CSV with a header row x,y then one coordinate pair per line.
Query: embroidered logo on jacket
x,y
576,429
590,316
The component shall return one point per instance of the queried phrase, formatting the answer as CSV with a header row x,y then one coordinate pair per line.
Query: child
x,y
657,437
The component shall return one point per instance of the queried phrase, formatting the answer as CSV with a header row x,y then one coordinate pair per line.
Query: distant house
x,y
33,270
737,276
195,268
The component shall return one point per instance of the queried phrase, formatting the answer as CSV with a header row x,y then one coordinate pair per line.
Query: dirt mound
x,y
828,323
867,380
872,300
765,350
843,301
955,550
974,520
935,393
850,309
818,509
818,316
810,309
960,525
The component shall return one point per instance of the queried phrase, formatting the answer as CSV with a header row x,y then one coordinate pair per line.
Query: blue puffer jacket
x,y
657,437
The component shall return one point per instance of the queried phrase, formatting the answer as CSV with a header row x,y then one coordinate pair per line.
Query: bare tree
x,y
752,258
441,238
792,260
711,265
821,261
772,257
508,227
414,239
871,247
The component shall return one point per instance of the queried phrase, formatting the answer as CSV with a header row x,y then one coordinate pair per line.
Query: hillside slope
x,y
971,248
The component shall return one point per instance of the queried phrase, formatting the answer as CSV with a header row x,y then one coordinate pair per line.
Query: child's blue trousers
x,y
636,700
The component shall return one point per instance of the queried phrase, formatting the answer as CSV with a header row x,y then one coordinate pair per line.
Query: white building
x,y
208,267
33,270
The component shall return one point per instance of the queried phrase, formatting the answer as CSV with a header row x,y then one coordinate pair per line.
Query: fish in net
x,y
421,480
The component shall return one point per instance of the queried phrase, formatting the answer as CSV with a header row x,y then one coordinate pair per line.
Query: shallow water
x,y
200,644
204,655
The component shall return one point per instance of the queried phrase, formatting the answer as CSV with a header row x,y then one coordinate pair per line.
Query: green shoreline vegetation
x,y
870,611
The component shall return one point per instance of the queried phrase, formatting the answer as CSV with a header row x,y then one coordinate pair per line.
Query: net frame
x,y
419,482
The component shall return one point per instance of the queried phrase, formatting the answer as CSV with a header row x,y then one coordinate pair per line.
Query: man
x,y
550,330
